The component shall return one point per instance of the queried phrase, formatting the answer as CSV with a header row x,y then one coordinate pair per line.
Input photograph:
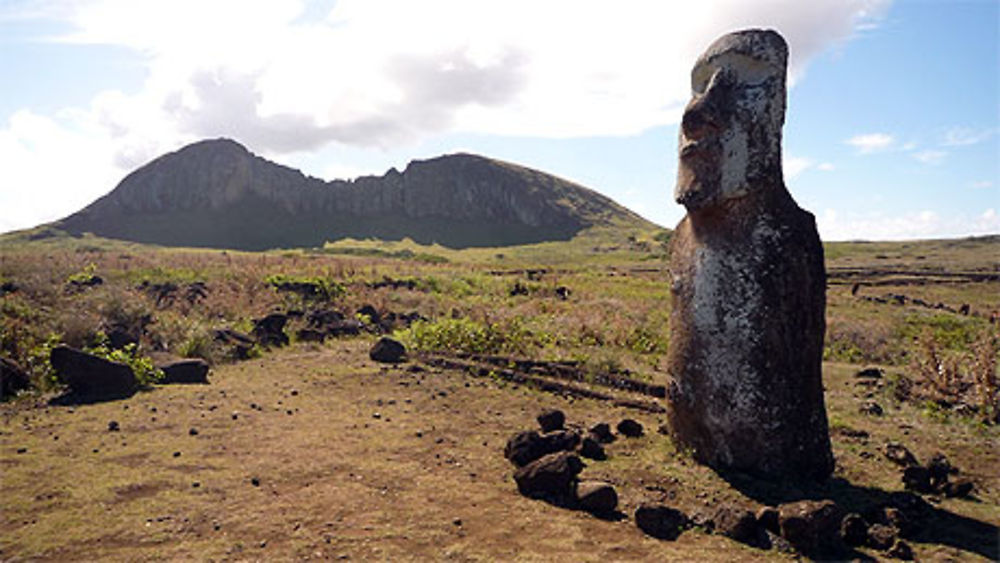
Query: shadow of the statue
x,y
929,524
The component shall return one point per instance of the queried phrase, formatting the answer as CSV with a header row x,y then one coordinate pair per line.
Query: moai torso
x,y
748,282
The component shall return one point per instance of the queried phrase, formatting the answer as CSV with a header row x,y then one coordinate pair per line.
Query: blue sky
x,y
893,126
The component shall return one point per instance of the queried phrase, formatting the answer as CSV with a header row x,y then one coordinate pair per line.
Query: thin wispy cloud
x,y
826,167
931,156
871,142
962,136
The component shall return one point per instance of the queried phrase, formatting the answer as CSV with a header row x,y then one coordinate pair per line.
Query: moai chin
x,y
748,282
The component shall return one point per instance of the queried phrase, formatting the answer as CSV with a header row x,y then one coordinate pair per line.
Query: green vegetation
x,y
466,335
145,372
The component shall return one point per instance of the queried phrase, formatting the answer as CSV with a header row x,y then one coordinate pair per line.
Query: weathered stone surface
x,y
591,448
630,428
661,521
551,476
89,375
185,371
748,280
388,350
270,330
596,496
551,420
898,454
853,530
12,378
736,523
881,536
811,526
525,447
602,432
959,488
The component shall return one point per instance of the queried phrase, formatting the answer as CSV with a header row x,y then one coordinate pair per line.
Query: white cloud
x,y
871,142
931,156
960,136
982,184
383,73
826,167
793,166
926,224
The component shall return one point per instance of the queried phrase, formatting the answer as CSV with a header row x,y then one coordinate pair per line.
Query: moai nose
x,y
700,117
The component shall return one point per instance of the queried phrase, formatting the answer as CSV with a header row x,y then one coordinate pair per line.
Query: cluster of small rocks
x,y
932,478
549,465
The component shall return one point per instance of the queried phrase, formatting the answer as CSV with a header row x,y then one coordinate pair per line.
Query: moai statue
x,y
748,282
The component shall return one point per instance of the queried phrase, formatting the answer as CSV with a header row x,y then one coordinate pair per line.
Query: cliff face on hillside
x,y
217,194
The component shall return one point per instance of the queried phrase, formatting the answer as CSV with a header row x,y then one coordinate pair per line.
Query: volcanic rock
x,y
387,350
551,420
597,497
748,281
185,371
89,375
12,378
630,428
550,476
661,521
809,525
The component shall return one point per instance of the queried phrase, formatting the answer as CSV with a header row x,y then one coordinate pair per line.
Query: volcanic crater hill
x,y
216,193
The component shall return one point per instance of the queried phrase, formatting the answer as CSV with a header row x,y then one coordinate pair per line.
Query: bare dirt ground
x,y
316,452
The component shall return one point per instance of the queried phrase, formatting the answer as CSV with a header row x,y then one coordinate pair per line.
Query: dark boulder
x,y
346,327
596,497
661,521
917,478
387,351
853,530
602,432
591,448
899,454
551,476
551,420
12,379
869,373
812,526
310,335
960,488
881,536
89,375
630,428
372,314
270,331
736,523
939,468
193,370
525,447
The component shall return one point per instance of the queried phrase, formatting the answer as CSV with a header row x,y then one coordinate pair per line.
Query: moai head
x,y
730,135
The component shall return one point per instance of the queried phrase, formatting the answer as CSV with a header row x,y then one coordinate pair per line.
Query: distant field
x,y
426,478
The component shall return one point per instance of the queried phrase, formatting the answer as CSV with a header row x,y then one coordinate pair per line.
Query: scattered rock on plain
x,y
12,378
736,523
551,420
661,521
193,370
387,350
899,454
551,475
596,497
854,530
89,375
602,432
630,428
812,526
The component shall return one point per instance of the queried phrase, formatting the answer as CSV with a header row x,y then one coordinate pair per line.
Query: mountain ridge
x,y
216,193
